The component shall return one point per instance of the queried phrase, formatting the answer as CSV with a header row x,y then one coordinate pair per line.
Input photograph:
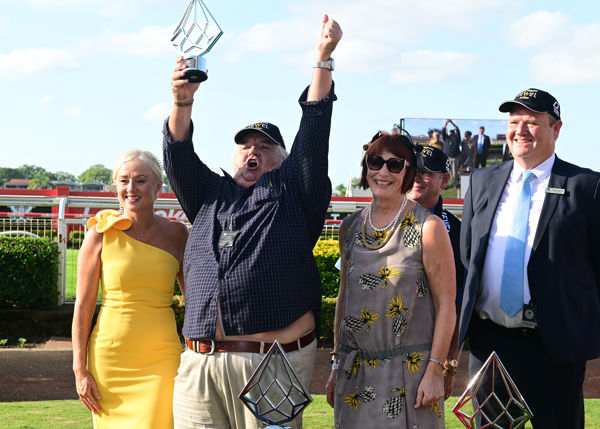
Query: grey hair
x,y
284,153
147,157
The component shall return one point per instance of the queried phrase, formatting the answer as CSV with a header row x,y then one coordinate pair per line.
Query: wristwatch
x,y
328,64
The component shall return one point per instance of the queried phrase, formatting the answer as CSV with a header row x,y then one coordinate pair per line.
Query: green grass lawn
x,y
71,273
73,415
71,284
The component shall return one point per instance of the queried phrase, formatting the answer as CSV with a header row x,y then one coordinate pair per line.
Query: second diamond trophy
x,y
492,400
194,36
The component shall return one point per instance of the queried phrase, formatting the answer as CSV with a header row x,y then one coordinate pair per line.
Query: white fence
x,y
61,225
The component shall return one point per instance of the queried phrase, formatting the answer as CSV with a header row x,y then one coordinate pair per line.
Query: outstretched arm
x,y
183,97
329,36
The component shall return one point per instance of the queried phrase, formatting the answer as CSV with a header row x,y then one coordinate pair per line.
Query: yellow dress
x,y
134,349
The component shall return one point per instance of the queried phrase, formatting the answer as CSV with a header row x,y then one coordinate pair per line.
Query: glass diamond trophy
x,y
194,36
275,394
492,400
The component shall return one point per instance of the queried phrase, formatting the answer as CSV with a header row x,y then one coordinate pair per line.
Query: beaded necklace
x,y
388,229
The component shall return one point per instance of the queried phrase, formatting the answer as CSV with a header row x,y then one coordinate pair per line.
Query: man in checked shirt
x,y
250,275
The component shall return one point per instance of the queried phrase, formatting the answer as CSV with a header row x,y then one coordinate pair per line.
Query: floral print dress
x,y
387,327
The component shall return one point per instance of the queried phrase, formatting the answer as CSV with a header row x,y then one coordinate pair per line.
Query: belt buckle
x,y
212,348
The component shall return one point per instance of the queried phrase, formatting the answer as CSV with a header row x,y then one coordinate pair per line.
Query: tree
x,y
10,173
40,181
63,175
165,180
96,172
29,171
342,190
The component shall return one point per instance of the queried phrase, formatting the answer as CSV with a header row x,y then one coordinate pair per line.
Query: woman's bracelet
x,y
437,362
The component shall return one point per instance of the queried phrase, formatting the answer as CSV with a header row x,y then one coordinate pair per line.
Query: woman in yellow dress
x,y
125,372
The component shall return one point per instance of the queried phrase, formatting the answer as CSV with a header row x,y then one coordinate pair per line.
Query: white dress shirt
x,y
488,302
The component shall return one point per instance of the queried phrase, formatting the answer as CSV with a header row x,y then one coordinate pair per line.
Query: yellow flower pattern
x,y
368,317
388,272
414,362
372,363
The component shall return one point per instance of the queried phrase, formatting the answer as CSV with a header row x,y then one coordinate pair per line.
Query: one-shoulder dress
x,y
387,327
133,351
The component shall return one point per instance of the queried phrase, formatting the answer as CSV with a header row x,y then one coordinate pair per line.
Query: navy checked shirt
x,y
268,278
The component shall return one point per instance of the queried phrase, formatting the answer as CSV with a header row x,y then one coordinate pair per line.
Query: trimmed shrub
x,y
178,307
76,238
28,273
326,253
327,318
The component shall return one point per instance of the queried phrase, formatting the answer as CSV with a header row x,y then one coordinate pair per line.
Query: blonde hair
x,y
148,157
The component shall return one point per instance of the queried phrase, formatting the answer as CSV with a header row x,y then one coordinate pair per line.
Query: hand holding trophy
x,y
195,35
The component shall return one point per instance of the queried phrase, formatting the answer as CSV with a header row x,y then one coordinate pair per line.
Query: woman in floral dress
x,y
395,310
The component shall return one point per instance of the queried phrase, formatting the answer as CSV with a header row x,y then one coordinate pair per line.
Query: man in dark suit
x,y
483,147
547,327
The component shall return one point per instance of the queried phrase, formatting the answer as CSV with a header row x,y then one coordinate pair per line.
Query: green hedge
x,y
76,238
327,318
326,254
29,273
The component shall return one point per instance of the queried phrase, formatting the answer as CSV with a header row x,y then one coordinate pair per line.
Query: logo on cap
x,y
528,94
556,107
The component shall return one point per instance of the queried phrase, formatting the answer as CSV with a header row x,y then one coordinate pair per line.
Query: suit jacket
x,y
486,144
564,267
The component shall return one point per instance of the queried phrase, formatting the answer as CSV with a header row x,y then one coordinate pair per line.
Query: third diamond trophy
x,y
275,394
194,36
494,398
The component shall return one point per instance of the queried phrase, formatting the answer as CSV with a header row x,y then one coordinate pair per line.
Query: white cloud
x,y
47,99
563,52
430,66
149,41
380,35
537,29
557,68
22,62
71,112
157,112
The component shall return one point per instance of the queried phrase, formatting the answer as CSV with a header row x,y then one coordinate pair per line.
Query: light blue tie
x,y
511,292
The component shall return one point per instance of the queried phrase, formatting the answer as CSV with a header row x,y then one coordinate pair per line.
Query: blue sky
x,y
82,81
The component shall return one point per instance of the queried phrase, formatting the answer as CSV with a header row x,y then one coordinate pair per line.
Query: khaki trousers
x,y
207,388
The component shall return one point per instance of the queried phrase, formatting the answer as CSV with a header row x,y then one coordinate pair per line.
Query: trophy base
x,y
196,69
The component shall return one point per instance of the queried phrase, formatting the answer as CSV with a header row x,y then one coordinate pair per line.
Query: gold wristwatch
x,y
451,365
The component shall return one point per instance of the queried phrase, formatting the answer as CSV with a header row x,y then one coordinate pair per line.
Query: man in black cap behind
x,y
250,275
530,241
427,187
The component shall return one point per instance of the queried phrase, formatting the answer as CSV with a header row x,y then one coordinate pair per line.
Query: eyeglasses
x,y
394,165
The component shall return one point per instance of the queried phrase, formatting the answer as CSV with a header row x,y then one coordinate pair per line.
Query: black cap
x,y
266,128
435,160
536,100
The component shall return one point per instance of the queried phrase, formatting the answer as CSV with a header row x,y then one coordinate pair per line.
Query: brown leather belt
x,y
210,346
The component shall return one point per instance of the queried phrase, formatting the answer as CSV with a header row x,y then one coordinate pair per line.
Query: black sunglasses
x,y
394,165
